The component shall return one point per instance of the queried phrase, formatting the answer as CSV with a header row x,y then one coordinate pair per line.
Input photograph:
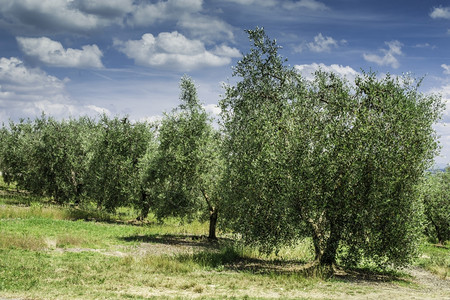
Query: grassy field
x,y
51,252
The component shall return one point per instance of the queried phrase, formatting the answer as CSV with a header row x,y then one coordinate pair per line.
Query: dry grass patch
x,y
33,211
34,243
25,242
436,259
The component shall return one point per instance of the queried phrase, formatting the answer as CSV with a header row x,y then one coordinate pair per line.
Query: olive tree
x,y
114,154
182,173
334,161
60,156
436,199
256,119
46,156
16,140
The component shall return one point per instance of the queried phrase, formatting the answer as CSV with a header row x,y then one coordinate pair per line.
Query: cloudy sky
x,y
77,57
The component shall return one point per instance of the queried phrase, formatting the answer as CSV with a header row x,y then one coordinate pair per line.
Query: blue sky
x,y
78,57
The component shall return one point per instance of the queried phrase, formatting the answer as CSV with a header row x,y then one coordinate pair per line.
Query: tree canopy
x,y
327,159
182,172
115,152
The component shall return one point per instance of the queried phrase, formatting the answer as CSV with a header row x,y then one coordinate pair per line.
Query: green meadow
x,y
55,252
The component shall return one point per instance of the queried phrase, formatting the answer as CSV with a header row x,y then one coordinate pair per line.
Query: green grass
x,y
92,275
45,255
436,259
51,252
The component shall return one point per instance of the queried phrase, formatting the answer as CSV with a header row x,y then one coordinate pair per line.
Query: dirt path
x,y
429,281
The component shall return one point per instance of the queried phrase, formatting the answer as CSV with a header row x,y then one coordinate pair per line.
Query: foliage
x,y
76,159
116,149
45,156
256,119
325,159
436,199
182,172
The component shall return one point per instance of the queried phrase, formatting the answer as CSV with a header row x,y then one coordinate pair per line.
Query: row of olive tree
x,y
173,171
76,159
330,160
46,157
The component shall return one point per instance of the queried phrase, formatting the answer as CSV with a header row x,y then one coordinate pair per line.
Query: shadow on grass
x,y
19,198
298,268
194,241
96,215
226,254
370,275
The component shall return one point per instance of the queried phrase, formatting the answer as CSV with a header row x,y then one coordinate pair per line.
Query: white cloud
x,y
170,50
26,92
213,109
258,2
425,45
440,13
446,68
309,4
224,50
322,44
15,77
206,28
389,58
104,8
289,5
98,110
146,14
55,16
53,53
187,16
307,71
50,16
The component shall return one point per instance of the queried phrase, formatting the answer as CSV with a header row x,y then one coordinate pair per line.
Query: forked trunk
x,y
317,248
213,211
325,248
328,257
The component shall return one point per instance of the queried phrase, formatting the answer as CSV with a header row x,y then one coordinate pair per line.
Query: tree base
x,y
317,270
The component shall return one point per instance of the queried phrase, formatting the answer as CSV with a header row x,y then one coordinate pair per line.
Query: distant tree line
x,y
341,163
